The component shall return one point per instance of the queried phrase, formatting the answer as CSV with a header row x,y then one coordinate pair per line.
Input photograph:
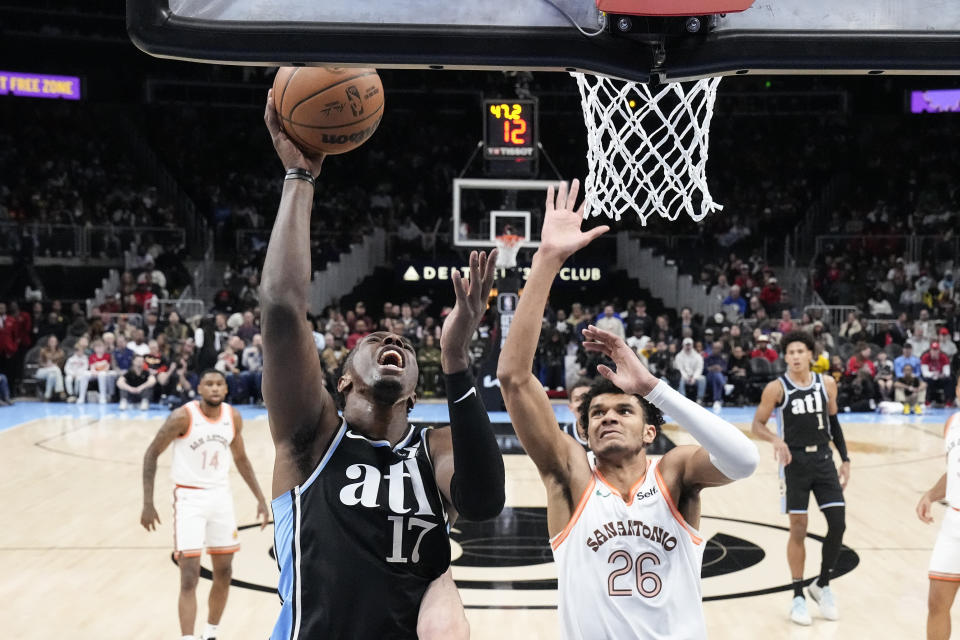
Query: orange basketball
x,y
332,110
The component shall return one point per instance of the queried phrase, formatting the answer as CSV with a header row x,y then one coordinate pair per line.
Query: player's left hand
x,y
631,375
465,317
843,473
263,514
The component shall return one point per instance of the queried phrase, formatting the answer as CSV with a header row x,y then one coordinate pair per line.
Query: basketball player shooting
x,y
806,406
623,532
944,570
362,505
206,435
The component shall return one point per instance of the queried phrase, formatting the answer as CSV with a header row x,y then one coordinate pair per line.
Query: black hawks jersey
x,y
360,540
803,418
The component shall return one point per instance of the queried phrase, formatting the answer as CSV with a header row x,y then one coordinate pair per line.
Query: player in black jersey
x,y
806,405
362,505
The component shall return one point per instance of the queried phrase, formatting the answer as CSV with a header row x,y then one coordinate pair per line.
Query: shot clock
x,y
510,136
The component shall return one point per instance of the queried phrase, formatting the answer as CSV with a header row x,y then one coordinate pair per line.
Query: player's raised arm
x,y
302,413
467,459
175,426
530,410
725,454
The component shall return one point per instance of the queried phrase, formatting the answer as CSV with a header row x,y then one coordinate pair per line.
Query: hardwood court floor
x,y
76,563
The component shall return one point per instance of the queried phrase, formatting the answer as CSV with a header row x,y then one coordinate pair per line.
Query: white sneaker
x,y
144,404
823,596
799,613
102,399
123,404
717,405
81,400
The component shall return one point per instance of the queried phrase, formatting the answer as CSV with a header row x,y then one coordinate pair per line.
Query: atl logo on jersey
x,y
811,403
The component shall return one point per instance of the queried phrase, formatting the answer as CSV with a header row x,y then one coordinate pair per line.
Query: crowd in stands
x,y
144,353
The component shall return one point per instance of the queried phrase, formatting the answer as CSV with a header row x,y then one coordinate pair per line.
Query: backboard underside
x,y
773,36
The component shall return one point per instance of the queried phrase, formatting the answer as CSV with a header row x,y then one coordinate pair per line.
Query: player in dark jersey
x,y
362,505
806,405
575,395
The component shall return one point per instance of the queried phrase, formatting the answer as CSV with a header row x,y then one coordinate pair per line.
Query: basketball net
x,y
509,246
647,147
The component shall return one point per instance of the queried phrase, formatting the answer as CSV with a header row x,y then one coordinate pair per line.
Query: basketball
x,y
329,110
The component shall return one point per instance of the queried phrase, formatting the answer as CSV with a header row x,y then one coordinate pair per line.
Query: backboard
x,y
772,36
485,208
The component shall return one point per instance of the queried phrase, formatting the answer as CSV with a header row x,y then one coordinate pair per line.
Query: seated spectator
x,y
136,385
735,299
884,375
861,360
879,305
122,355
821,359
910,390
947,346
935,368
786,323
151,326
852,330
905,358
252,361
248,328
821,333
690,365
428,361
611,322
139,346
738,368
77,374
51,359
858,393
716,367
332,359
176,331
764,350
551,356
4,392
837,368
899,331
770,295
358,334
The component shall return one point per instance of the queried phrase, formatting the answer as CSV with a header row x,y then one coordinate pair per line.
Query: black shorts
x,y
810,471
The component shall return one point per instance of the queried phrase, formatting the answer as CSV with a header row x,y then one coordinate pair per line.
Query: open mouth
x,y
391,357
603,433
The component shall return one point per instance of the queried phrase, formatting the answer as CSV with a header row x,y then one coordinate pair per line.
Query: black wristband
x,y
836,433
300,174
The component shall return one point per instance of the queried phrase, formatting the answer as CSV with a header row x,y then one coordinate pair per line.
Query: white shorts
x,y
945,561
204,519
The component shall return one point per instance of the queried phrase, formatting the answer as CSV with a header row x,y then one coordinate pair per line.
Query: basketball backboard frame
x,y
773,36
460,184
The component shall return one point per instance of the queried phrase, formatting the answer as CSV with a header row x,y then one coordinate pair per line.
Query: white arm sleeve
x,y
731,452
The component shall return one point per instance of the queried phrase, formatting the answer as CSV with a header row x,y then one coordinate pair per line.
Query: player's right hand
x,y
923,509
149,518
630,375
290,154
781,452
561,236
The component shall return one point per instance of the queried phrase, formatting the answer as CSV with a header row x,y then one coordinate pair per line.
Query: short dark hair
x,y
214,371
600,386
798,336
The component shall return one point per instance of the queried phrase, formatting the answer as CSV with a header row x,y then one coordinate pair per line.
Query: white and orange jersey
x,y
201,456
951,443
629,566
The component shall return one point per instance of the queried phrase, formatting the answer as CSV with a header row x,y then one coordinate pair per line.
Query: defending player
x,y
206,436
806,405
623,532
362,505
944,570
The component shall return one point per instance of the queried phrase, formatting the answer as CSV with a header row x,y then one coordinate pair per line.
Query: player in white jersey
x,y
623,530
206,437
944,570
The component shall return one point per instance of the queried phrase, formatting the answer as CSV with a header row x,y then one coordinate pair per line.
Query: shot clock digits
x,y
509,129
